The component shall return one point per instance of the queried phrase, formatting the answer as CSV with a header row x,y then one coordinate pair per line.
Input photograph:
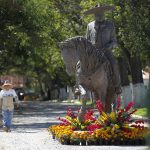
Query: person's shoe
x,y
9,130
5,129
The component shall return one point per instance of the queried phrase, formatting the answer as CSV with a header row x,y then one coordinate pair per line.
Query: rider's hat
x,y
99,8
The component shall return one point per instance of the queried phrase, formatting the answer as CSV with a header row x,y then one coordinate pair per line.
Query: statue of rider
x,y
101,33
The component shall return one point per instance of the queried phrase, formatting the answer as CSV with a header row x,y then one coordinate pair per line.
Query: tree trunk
x,y
138,89
123,71
49,94
41,88
136,70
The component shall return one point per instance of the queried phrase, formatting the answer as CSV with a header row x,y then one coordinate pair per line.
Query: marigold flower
x,y
113,116
116,125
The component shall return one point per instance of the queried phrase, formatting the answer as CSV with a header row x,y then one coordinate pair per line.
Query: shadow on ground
x,y
40,114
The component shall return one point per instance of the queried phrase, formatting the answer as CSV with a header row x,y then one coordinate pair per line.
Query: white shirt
x,y
6,99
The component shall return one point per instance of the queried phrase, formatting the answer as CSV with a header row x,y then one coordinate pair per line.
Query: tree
x,y
132,25
30,34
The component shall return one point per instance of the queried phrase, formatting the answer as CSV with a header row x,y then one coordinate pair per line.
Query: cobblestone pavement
x,y
29,130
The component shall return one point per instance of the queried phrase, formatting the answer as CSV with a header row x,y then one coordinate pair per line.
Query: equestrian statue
x,y
90,58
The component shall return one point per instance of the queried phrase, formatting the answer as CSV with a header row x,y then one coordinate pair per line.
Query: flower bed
x,y
115,128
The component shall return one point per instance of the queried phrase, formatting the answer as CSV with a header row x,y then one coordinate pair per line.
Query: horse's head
x,y
69,54
75,49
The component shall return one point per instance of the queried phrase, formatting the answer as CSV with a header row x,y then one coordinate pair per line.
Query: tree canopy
x,y
30,32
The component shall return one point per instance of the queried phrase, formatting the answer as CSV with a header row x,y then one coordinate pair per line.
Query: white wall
x,y
136,92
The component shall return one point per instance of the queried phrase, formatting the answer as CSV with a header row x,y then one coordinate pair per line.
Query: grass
x,y
141,112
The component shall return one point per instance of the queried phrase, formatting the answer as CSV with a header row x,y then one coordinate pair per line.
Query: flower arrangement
x,y
72,120
117,119
116,127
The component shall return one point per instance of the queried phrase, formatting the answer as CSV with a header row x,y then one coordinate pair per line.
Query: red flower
x,y
139,121
64,121
70,113
135,126
89,115
130,104
128,118
133,112
89,112
92,127
120,117
99,106
120,113
118,103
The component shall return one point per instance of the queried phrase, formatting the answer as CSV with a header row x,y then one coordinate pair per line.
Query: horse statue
x,y
93,70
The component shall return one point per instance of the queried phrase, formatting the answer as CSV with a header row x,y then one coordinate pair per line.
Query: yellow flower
x,y
116,126
125,125
104,114
113,116
108,129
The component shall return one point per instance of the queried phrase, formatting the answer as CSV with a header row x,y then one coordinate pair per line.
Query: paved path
x,y
30,130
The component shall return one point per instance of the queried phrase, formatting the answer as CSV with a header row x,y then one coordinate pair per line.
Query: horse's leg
x,y
83,107
108,104
100,94
82,111
77,90
110,99
107,98
96,96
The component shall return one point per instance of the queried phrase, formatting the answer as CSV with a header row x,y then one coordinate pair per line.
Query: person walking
x,y
7,97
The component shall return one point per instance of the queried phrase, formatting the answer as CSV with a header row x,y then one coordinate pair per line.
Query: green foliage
x,y
141,112
30,32
69,17
132,20
25,28
29,35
